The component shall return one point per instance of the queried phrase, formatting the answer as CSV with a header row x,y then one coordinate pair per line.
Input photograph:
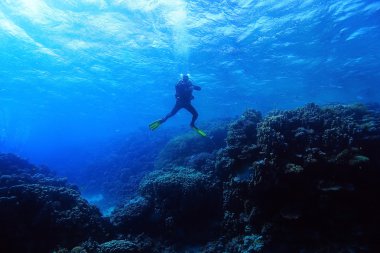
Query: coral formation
x,y
118,170
288,182
180,149
174,202
118,246
241,148
303,180
39,212
313,182
132,216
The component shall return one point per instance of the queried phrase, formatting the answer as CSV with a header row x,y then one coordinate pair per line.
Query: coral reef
x,y
120,166
132,216
241,148
174,203
180,149
118,246
136,244
303,180
39,212
313,186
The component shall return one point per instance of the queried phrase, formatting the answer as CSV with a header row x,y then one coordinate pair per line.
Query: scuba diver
x,y
183,94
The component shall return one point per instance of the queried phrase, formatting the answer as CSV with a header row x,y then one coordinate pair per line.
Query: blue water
x,y
75,74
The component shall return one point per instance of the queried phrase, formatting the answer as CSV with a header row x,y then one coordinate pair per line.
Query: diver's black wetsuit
x,y
184,95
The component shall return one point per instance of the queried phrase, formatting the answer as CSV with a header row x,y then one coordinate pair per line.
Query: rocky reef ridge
x,y
303,180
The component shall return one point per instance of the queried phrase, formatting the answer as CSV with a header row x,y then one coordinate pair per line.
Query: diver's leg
x,y
194,112
175,109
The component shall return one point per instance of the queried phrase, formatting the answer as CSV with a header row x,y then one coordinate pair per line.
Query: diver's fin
x,y
154,125
200,132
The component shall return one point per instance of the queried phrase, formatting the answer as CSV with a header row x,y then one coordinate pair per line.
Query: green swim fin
x,y
200,132
154,125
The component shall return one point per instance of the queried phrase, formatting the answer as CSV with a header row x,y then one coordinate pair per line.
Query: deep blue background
x,y
75,74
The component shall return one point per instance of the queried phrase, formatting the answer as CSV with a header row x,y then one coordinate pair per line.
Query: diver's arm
x,y
196,87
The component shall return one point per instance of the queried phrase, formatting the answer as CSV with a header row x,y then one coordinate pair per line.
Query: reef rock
x,y
39,212
180,149
176,203
241,149
314,186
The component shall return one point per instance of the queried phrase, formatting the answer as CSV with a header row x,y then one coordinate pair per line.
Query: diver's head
x,y
185,77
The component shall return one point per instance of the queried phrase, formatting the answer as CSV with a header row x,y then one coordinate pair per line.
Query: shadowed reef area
x,y
304,180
